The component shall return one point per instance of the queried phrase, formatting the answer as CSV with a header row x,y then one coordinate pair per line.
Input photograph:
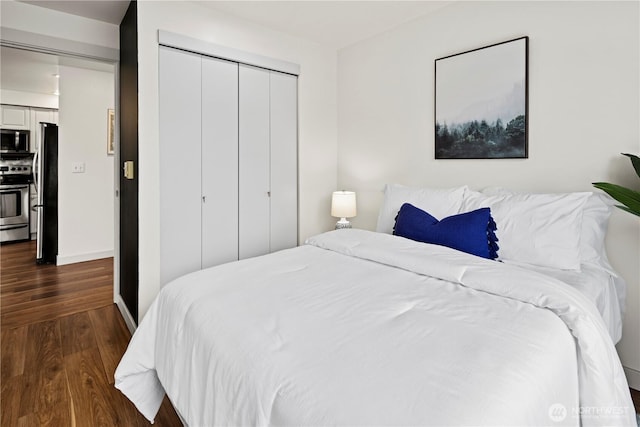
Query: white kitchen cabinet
x,y
15,117
28,118
228,161
37,116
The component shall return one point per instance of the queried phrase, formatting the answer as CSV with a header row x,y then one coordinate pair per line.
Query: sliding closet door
x,y
219,161
180,170
254,220
284,161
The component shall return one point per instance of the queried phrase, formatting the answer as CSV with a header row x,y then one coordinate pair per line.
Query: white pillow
x,y
538,229
440,203
595,220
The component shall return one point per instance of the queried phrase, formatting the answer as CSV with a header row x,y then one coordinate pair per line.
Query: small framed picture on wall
x,y
481,102
111,128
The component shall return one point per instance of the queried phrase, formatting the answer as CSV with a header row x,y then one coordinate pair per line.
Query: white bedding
x,y
606,290
362,328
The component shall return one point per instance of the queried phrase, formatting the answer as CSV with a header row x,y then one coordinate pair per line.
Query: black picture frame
x,y
481,102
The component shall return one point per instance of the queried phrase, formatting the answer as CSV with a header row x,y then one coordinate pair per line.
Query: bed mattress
x,y
363,328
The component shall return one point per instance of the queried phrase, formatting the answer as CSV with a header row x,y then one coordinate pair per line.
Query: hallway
x,y
32,293
62,338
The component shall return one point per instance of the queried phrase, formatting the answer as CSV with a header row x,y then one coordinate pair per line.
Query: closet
x,y
228,161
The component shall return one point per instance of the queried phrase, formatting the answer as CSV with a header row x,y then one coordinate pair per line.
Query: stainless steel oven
x,y
14,212
15,177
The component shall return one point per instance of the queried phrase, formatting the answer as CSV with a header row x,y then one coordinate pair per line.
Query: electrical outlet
x,y
77,167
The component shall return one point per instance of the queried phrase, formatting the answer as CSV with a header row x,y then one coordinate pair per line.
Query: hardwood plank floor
x,y
635,396
61,339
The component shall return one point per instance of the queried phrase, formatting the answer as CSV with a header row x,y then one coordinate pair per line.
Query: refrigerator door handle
x,y
34,169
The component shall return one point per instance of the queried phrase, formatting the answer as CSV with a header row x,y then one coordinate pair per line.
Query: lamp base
x,y
343,223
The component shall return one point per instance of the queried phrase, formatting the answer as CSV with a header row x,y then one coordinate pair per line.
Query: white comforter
x,y
362,328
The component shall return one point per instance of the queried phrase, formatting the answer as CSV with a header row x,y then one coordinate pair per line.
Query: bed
x,y
369,328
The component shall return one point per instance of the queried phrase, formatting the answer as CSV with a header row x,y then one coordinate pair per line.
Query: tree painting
x,y
481,103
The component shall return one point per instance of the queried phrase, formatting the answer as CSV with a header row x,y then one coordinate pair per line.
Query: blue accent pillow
x,y
472,232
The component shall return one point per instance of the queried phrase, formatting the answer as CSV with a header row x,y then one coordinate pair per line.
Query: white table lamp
x,y
343,206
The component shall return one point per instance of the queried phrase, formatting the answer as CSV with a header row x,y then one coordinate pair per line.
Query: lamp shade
x,y
343,204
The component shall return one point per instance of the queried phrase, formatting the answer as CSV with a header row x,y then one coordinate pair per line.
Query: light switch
x,y
127,167
77,167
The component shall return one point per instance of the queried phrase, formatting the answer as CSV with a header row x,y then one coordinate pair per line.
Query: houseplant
x,y
629,198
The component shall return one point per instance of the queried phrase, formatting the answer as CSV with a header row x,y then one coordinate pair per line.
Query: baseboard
x,y
72,259
128,318
633,378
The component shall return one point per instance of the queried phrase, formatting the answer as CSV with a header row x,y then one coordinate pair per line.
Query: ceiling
x,y
110,11
26,71
35,72
335,24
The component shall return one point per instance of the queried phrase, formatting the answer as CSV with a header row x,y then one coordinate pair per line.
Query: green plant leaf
x,y
626,196
624,208
635,161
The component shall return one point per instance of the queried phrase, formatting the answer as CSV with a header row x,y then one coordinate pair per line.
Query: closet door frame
x,y
270,65
179,41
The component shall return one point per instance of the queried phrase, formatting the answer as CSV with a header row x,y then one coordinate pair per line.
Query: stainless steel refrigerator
x,y
46,183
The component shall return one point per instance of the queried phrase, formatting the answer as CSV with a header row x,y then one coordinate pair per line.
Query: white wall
x,y
31,99
85,200
317,116
584,99
35,19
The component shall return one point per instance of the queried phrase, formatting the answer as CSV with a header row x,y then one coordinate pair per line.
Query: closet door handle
x,y
204,199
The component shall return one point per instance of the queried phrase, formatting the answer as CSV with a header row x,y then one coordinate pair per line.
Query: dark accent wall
x,y
50,208
129,152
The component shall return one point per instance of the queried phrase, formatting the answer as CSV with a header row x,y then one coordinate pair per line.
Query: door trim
x,y
178,41
26,40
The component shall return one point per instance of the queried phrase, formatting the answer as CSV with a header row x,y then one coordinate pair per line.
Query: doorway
x,y
79,95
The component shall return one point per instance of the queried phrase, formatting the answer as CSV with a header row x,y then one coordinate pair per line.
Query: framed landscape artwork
x,y
481,103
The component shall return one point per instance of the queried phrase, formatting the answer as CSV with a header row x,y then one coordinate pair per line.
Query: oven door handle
x,y
12,227
6,187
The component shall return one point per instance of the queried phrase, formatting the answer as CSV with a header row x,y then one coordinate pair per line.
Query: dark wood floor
x,y
61,339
